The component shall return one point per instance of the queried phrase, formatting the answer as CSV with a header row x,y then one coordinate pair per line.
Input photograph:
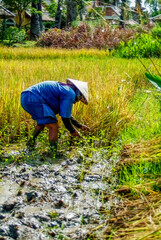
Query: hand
x,y
85,128
75,134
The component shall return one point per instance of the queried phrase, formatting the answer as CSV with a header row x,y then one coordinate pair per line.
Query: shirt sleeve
x,y
75,122
68,124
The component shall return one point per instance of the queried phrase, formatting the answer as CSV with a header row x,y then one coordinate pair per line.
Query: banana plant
x,y
155,80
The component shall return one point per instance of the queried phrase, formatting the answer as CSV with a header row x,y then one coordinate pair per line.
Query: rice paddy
x,y
112,84
124,108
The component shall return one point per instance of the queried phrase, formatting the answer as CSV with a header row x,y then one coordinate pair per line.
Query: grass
x,y
139,172
141,154
48,53
112,84
25,44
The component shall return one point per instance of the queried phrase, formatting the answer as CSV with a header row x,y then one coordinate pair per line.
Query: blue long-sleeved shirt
x,y
59,98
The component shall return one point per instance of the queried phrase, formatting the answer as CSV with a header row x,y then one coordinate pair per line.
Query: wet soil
x,y
64,198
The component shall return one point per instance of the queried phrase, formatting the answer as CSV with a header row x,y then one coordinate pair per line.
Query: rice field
x,y
112,84
124,108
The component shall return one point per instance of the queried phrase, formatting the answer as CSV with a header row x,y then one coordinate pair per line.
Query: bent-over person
x,y
45,100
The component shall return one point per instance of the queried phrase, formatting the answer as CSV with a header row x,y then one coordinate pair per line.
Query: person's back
x,y
57,96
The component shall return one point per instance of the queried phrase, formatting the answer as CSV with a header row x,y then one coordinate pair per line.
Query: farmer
x,y
46,99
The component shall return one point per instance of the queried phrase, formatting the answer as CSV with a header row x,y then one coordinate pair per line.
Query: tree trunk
x,y
71,11
3,29
35,24
81,15
58,14
122,17
80,9
40,15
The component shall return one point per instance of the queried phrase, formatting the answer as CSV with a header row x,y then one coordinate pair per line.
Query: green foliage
x,y
35,11
25,44
156,32
48,25
17,5
141,137
134,174
156,80
82,220
147,118
52,7
143,45
14,35
53,214
95,13
157,186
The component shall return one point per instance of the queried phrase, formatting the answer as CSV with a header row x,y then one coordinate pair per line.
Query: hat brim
x,y
82,87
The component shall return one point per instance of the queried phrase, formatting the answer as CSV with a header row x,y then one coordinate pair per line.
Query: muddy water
x,y
62,200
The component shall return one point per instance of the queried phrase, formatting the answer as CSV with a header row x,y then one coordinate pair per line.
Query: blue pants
x,y
37,108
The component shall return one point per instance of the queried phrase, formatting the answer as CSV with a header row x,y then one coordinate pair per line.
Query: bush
x,y
156,32
84,36
14,35
48,25
143,45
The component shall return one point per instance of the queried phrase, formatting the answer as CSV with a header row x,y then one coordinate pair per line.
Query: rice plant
x,y
112,84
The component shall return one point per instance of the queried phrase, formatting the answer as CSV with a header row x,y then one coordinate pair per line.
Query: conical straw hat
x,y
81,86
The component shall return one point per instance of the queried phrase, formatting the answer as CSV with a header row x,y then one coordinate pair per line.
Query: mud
x,y
59,200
